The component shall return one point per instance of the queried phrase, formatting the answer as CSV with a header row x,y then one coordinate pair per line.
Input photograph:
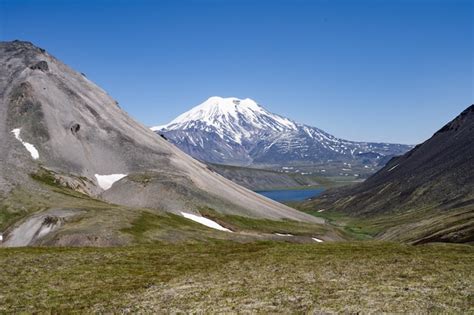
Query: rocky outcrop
x,y
41,65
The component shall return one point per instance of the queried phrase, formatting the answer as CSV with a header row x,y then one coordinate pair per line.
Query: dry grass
x,y
227,276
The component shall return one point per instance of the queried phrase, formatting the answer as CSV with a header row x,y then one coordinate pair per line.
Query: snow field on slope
x,y
205,221
31,148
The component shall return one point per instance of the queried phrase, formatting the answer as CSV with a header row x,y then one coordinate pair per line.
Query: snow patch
x,y
392,168
283,234
205,221
31,148
158,128
317,240
106,181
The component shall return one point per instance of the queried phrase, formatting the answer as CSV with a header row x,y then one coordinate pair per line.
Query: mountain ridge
x,y
241,132
85,143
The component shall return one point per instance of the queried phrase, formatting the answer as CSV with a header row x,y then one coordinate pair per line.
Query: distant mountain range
x,y
426,195
241,132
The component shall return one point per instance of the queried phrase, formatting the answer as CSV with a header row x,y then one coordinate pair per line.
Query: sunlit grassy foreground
x,y
228,276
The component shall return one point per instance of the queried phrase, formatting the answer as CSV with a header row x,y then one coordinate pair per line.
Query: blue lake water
x,y
290,195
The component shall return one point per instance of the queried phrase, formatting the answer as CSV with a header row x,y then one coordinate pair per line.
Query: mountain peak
x,y
226,103
24,46
231,118
229,100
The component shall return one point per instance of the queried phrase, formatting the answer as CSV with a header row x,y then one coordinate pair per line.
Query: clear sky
x,y
376,70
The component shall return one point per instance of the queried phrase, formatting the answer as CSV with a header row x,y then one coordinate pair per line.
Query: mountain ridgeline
x,y
424,195
241,132
67,147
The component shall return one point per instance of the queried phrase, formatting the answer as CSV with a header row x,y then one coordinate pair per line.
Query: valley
x,y
100,214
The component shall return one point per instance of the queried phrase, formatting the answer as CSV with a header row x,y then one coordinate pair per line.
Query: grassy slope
x,y
203,273
245,224
419,225
152,228
108,224
228,276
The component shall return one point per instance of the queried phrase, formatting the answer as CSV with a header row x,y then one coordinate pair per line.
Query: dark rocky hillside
x,y
426,194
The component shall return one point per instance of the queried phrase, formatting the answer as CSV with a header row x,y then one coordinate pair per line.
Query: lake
x,y
290,194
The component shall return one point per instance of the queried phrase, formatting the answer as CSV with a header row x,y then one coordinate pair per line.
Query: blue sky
x,y
376,70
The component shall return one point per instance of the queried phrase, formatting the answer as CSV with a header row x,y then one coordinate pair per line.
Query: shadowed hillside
x,y
424,195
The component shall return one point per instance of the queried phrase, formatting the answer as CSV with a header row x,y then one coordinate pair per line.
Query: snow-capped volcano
x,y
231,118
241,132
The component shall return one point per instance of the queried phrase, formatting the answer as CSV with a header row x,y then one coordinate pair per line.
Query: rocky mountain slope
x,y
425,195
241,132
61,134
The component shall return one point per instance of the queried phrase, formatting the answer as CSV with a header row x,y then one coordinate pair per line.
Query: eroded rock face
x,y
36,228
42,65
